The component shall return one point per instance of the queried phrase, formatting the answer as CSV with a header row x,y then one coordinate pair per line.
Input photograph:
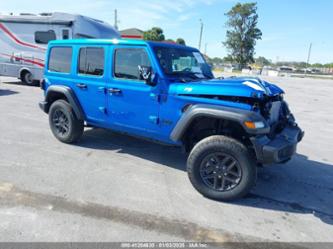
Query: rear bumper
x,y
43,105
280,149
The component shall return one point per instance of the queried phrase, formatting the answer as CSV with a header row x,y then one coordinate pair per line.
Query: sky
x,y
288,26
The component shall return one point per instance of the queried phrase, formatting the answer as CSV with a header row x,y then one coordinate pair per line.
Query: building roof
x,y
132,33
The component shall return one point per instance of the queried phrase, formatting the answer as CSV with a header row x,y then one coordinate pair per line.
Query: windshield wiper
x,y
208,76
191,75
195,75
183,75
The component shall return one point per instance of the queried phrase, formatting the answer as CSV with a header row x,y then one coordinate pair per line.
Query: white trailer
x,y
24,38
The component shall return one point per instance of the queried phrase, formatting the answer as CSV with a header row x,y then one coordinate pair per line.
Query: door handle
x,y
82,86
114,90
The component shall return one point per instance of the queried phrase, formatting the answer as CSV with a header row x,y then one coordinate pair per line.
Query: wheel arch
x,y
54,93
215,120
23,70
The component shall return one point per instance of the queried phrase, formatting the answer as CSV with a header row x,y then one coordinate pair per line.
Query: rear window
x,y
60,59
43,37
91,61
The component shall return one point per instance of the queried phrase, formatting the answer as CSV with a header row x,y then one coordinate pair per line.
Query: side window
x,y
60,59
91,61
127,60
43,37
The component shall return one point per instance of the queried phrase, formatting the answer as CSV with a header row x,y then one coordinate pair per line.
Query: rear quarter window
x,y
60,59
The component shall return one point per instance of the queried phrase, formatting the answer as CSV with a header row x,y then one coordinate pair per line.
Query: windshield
x,y
183,63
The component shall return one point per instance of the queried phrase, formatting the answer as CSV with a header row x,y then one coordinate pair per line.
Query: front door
x,y
133,106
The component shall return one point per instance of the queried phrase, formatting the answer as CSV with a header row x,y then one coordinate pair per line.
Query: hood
x,y
238,86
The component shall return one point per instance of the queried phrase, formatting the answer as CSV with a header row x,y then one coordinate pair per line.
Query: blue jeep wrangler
x,y
167,93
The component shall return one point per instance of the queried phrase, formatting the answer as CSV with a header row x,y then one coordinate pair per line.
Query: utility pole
x,y
116,19
309,54
308,61
206,48
201,31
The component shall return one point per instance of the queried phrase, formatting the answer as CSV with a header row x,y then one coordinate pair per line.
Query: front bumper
x,y
281,148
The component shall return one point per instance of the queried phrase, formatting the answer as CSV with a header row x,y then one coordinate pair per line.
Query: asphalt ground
x,y
111,187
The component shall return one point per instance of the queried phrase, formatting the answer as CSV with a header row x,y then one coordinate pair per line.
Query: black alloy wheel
x,y
220,171
61,122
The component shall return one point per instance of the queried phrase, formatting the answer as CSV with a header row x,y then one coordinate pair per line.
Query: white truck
x,y
24,39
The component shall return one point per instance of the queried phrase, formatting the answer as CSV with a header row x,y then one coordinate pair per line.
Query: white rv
x,y
24,38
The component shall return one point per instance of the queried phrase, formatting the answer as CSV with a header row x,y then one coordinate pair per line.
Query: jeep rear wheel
x,y
64,124
221,168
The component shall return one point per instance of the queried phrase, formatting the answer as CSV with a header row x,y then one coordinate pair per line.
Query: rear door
x,y
89,82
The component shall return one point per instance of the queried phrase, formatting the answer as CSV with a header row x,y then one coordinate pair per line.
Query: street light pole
x,y
201,31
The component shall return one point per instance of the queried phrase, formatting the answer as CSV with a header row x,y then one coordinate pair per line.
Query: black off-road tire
x,y
217,145
74,126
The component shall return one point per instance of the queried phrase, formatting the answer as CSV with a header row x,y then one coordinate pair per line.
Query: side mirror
x,y
146,74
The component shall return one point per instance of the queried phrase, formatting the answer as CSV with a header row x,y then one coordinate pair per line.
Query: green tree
x,y
154,34
243,32
228,59
317,65
181,41
262,61
217,60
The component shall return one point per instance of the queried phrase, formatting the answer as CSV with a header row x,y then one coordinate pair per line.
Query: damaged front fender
x,y
221,112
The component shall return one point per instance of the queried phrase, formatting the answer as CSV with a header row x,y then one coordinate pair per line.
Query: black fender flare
x,y
220,112
70,96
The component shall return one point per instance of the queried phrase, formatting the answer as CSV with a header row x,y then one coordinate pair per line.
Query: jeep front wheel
x,y
64,124
221,168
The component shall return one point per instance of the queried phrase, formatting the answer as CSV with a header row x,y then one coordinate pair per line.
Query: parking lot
x,y
111,187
